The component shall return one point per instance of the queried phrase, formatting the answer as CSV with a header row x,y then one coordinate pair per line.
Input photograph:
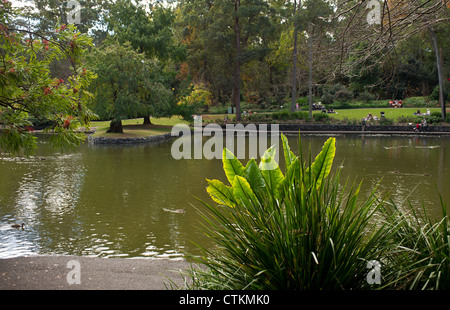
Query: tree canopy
x,y
30,94
127,85
151,55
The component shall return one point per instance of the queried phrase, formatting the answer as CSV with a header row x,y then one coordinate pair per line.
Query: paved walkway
x,y
55,273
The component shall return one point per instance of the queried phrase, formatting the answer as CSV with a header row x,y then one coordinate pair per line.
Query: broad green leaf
x,y
220,193
242,191
231,165
289,157
271,171
254,176
321,166
293,172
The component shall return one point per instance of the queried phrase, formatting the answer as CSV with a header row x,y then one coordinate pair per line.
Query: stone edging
x,y
359,128
284,128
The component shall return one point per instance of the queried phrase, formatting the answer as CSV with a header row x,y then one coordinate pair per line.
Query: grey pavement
x,y
85,273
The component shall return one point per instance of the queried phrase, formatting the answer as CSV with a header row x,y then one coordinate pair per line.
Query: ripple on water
x,y
12,245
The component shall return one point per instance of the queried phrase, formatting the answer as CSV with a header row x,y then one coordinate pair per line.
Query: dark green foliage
x,y
127,84
291,231
303,230
321,116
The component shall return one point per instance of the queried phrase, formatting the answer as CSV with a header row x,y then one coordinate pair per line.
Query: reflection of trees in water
x,y
409,167
44,194
109,201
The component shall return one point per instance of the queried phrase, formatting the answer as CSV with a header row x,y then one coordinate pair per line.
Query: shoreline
x,y
53,272
289,129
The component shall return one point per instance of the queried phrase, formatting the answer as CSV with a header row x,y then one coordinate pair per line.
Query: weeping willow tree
x,y
127,85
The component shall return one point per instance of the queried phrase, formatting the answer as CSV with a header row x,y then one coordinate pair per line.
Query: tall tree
x,y
315,21
149,32
44,15
127,85
295,57
232,29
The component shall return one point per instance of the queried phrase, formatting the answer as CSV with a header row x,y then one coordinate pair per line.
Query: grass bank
x,y
390,113
134,128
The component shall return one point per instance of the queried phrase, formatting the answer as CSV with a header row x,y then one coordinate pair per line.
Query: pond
x,y
114,201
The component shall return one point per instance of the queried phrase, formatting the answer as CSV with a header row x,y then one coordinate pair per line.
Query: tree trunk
x,y
237,65
115,127
294,74
440,72
310,76
147,120
294,62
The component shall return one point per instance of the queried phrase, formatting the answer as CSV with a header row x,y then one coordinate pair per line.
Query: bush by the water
x,y
302,230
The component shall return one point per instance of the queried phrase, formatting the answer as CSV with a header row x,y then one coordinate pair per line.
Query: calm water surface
x,y
110,201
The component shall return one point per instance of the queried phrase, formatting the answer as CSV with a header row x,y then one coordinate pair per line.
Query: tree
x,y
127,85
148,32
440,71
364,42
233,31
294,57
315,19
199,98
28,91
44,15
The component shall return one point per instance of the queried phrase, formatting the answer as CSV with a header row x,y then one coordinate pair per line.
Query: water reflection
x,y
109,201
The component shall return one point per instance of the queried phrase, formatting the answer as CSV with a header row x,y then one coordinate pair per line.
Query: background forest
x,y
159,58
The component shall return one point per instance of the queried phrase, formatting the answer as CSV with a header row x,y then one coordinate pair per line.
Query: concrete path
x,y
65,272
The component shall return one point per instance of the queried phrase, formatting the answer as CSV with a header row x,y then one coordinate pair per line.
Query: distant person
x,y
424,125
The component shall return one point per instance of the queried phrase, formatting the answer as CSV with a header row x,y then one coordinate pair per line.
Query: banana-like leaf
x,y
271,172
242,191
289,157
254,176
220,193
231,165
321,166
293,172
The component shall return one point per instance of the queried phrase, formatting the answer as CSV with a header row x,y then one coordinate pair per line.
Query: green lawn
x,y
390,113
134,128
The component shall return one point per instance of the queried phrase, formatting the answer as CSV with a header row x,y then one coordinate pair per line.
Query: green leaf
x,y
293,172
231,165
321,166
271,171
254,176
242,191
289,157
220,193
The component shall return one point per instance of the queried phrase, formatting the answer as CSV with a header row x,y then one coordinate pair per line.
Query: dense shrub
x,y
366,96
327,98
303,230
321,116
420,102
343,95
435,93
300,115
